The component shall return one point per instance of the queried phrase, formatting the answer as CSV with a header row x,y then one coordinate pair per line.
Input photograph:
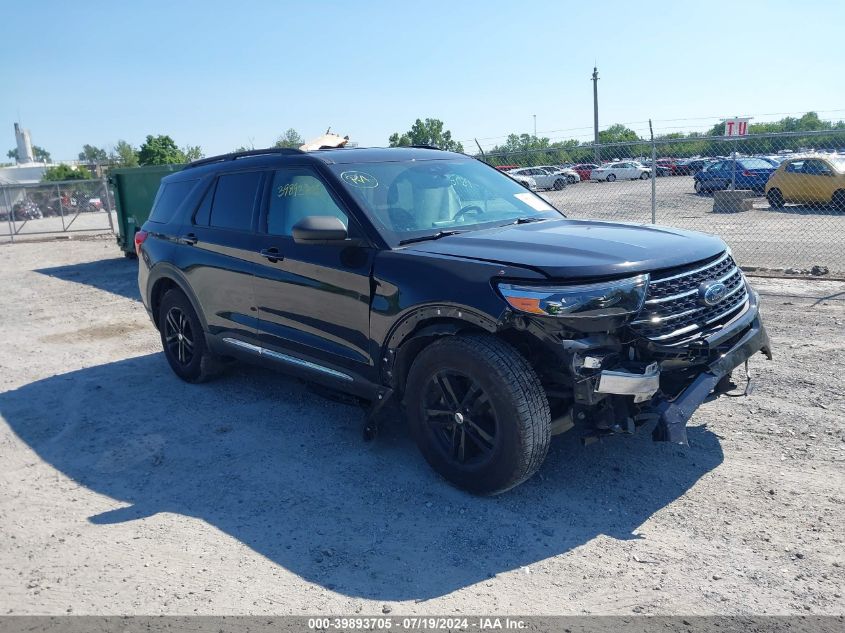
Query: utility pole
x,y
596,114
535,125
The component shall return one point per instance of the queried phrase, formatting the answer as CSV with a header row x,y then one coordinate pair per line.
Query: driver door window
x,y
295,194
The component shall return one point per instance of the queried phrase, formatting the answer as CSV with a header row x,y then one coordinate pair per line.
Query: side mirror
x,y
319,229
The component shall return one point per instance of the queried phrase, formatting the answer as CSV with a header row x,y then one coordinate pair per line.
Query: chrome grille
x,y
673,313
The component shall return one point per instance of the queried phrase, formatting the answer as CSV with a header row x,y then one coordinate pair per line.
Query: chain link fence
x,y
54,208
777,199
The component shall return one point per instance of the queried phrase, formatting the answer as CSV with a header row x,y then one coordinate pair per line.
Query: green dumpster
x,y
135,189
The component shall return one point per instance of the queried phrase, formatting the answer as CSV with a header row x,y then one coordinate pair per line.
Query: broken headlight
x,y
619,298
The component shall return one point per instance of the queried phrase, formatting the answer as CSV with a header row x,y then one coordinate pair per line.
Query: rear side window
x,y
234,200
169,197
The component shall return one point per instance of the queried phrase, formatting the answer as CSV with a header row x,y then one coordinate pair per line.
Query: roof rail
x,y
422,146
247,153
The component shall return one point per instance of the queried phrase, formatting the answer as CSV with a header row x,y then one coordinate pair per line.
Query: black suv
x,y
432,279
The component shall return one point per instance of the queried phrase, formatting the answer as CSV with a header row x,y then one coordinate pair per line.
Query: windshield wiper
x,y
529,219
425,238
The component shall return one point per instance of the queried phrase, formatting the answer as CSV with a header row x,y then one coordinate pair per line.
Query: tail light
x,y
140,236
747,173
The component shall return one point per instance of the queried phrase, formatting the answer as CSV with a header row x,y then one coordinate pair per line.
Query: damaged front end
x,y
677,351
618,388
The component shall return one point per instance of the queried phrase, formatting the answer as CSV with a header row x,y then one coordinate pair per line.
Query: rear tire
x,y
559,184
699,187
838,199
611,177
573,179
183,339
478,413
644,176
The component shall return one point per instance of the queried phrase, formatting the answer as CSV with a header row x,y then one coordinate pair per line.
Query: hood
x,y
579,249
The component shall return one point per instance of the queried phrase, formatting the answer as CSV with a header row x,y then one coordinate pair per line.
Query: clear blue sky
x,y
224,74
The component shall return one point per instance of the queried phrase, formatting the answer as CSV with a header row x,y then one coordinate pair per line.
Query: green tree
x,y
124,154
428,132
192,152
618,133
65,172
39,153
92,154
290,138
160,150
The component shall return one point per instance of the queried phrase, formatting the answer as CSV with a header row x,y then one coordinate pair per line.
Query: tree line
x,y
528,150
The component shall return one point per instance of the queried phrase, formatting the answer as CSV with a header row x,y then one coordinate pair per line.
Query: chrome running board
x,y
291,360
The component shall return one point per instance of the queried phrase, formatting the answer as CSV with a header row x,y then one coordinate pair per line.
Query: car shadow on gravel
x,y
118,275
260,457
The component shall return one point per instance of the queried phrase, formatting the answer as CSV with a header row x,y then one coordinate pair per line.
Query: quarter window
x,y
296,194
169,198
203,214
234,200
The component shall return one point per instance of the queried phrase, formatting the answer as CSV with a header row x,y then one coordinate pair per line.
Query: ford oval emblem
x,y
712,292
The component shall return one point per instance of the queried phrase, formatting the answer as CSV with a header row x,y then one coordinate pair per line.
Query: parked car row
x,y
792,178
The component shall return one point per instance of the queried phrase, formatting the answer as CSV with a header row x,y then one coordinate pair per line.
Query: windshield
x,y
412,199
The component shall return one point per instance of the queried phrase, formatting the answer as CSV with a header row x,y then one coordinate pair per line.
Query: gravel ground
x,y
126,491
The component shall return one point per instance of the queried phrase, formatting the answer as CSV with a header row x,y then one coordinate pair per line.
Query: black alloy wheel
x,y
461,418
478,412
183,339
178,336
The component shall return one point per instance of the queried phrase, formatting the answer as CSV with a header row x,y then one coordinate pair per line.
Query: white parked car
x,y
545,178
621,171
558,170
525,181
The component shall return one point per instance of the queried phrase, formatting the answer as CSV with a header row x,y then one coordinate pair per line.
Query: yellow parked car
x,y
812,180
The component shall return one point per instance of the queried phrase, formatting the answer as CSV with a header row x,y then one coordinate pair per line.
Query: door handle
x,y
272,254
190,239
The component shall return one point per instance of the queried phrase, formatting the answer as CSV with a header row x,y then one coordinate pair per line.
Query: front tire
x,y
644,176
183,339
478,413
838,199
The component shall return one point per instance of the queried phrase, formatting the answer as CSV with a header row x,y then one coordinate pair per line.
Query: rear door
x,y
218,255
313,299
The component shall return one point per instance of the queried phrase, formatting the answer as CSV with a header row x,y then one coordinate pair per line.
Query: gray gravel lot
x,y
126,491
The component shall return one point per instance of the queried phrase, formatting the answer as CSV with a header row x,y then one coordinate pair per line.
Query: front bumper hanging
x,y
674,414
